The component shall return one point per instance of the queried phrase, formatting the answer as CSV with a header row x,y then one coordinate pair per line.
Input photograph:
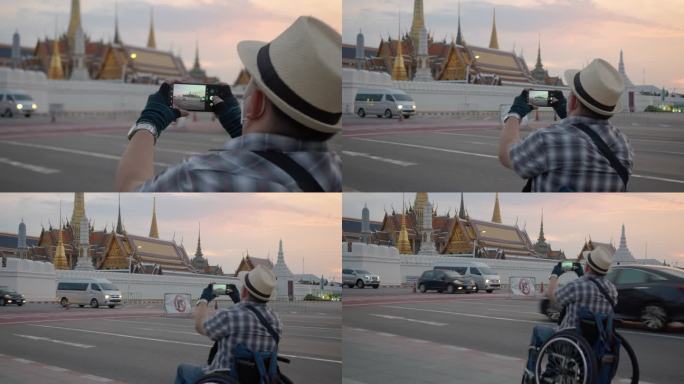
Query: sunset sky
x,y
309,224
218,25
573,32
656,219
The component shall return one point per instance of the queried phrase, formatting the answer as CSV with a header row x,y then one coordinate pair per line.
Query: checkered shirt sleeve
x,y
565,295
529,156
237,168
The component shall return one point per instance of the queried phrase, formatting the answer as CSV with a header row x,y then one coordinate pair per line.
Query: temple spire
x,y
154,232
399,69
493,40
496,216
198,251
541,239
119,224
59,260
418,22
56,72
151,43
403,243
621,69
459,35
74,21
461,210
117,37
77,214
539,64
197,61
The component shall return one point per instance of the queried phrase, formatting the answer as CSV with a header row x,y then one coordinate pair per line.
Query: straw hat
x,y
299,72
259,282
599,260
598,86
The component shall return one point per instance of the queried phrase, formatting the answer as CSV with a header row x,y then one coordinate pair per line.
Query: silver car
x,y
386,103
93,292
359,278
485,278
16,103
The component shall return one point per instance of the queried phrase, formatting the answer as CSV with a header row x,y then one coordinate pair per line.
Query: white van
x,y
16,102
93,292
485,278
386,103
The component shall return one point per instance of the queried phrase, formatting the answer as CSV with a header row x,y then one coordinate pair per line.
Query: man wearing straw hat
x,y
591,290
235,325
582,153
292,106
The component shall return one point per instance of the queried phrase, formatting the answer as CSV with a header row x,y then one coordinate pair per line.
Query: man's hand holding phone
x,y
208,293
227,110
158,111
233,293
559,103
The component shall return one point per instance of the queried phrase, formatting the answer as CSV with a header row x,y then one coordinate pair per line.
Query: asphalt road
x,y
447,155
395,336
78,154
135,344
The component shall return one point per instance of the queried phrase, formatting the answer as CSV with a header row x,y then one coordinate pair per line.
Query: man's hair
x,y
584,111
303,132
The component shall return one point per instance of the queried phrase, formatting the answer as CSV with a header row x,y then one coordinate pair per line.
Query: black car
x,y
443,280
8,296
651,294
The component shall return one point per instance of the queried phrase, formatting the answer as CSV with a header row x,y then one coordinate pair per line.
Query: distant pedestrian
x,y
583,152
291,107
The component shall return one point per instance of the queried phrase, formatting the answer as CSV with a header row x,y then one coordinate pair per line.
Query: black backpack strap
x,y
606,152
603,292
304,179
265,323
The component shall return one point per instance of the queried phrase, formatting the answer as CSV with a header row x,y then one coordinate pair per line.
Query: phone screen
x,y
193,97
567,265
539,98
220,289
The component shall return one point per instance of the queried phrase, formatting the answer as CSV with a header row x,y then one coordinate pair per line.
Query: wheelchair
x,y
247,373
589,354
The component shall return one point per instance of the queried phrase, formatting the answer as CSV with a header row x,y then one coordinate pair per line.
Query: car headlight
x,y
106,296
366,277
34,106
8,297
414,106
20,106
400,107
487,281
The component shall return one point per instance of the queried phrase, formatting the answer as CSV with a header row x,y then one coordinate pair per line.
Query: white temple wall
x,y
33,279
439,97
77,96
381,260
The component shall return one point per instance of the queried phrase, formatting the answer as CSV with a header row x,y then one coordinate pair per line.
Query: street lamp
x,y
475,242
133,56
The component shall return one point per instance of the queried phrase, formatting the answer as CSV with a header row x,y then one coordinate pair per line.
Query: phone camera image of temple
x,y
417,56
73,55
76,244
421,230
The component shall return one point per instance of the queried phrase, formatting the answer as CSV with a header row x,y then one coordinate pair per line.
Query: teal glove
x,y
559,104
228,113
158,110
208,293
520,104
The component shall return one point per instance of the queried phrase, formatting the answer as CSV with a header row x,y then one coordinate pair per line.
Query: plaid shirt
x,y
237,325
563,156
583,293
235,168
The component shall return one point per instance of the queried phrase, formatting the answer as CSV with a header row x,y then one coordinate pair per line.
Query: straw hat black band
x,y
273,81
594,266
255,291
582,93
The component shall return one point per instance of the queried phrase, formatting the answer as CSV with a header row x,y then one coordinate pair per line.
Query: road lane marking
x,y
71,151
390,317
30,167
652,334
469,134
173,341
386,334
32,337
378,158
509,311
465,314
429,148
23,361
97,378
56,369
502,357
658,178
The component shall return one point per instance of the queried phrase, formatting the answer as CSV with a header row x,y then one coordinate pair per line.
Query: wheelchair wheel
x,y
566,358
216,378
634,379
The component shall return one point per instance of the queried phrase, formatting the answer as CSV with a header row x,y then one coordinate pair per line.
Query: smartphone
x,y
539,98
194,97
567,265
221,289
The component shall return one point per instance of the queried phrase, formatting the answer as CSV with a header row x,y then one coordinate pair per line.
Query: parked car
x,y
16,102
386,103
444,280
651,294
93,292
485,277
10,296
359,278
